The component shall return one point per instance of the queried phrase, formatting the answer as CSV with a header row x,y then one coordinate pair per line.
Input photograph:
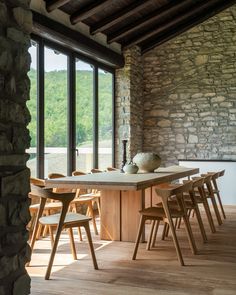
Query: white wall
x,y
227,183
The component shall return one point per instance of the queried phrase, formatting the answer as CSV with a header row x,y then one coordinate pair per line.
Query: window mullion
x,y
95,117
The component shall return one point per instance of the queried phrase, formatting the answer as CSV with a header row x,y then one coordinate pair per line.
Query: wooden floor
x,y
212,271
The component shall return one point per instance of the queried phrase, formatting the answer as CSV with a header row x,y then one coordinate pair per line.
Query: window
x,y
32,106
84,115
55,111
71,107
105,133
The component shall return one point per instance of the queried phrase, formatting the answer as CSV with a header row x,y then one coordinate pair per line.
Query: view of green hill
x,y
56,107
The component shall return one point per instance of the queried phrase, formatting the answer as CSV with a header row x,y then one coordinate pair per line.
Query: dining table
x,y
122,196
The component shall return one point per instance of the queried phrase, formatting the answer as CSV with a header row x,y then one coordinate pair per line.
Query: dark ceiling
x,y
144,23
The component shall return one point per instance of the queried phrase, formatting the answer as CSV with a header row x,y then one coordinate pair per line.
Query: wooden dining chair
x,y
166,214
50,207
191,203
63,220
112,169
216,191
95,170
80,199
209,192
89,198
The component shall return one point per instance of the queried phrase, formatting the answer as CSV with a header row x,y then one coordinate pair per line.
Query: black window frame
x,y
71,103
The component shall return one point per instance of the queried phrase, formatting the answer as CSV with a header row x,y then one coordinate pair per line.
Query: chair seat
x,y
159,212
70,218
174,205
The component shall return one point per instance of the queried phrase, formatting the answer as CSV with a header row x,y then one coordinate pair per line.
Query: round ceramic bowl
x,y
147,162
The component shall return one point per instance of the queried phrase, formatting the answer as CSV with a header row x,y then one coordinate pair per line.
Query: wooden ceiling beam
x,y
57,32
183,27
88,10
198,9
54,4
119,16
149,19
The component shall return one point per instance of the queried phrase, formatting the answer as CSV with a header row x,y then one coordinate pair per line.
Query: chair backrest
x,y
176,190
37,181
47,193
208,182
59,190
112,169
78,173
55,175
94,170
78,190
198,182
221,173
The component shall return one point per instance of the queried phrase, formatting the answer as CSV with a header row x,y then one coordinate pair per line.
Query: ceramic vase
x,y
147,162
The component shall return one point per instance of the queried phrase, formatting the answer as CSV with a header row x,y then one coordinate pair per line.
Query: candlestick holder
x,y
124,143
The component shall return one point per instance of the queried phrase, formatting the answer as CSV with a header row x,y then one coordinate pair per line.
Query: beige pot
x,y
147,162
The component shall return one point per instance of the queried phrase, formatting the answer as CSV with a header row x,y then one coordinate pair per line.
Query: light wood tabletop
x,y
121,181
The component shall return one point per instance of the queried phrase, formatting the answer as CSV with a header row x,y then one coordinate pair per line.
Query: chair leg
x,y
150,235
219,198
155,233
140,231
90,206
167,230
37,224
51,235
39,231
179,223
190,235
221,205
176,242
164,231
80,234
209,216
72,243
58,233
87,229
98,206
200,223
217,213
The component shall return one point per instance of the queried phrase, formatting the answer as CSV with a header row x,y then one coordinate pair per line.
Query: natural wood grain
x,y
110,215
121,181
131,204
155,272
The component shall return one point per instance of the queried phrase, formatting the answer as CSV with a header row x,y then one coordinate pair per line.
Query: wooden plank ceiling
x,y
147,23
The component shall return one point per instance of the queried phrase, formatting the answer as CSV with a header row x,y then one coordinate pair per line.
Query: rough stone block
x,y
23,18
164,123
16,184
3,13
22,285
192,138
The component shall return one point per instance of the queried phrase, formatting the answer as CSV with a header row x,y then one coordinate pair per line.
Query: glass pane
x,y
84,116
104,119
32,106
55,112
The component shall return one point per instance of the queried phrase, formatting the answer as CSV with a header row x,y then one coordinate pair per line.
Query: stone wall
x,y
190,93
15,25
129,108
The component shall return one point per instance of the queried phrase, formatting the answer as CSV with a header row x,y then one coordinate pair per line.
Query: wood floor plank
x,y
211,272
